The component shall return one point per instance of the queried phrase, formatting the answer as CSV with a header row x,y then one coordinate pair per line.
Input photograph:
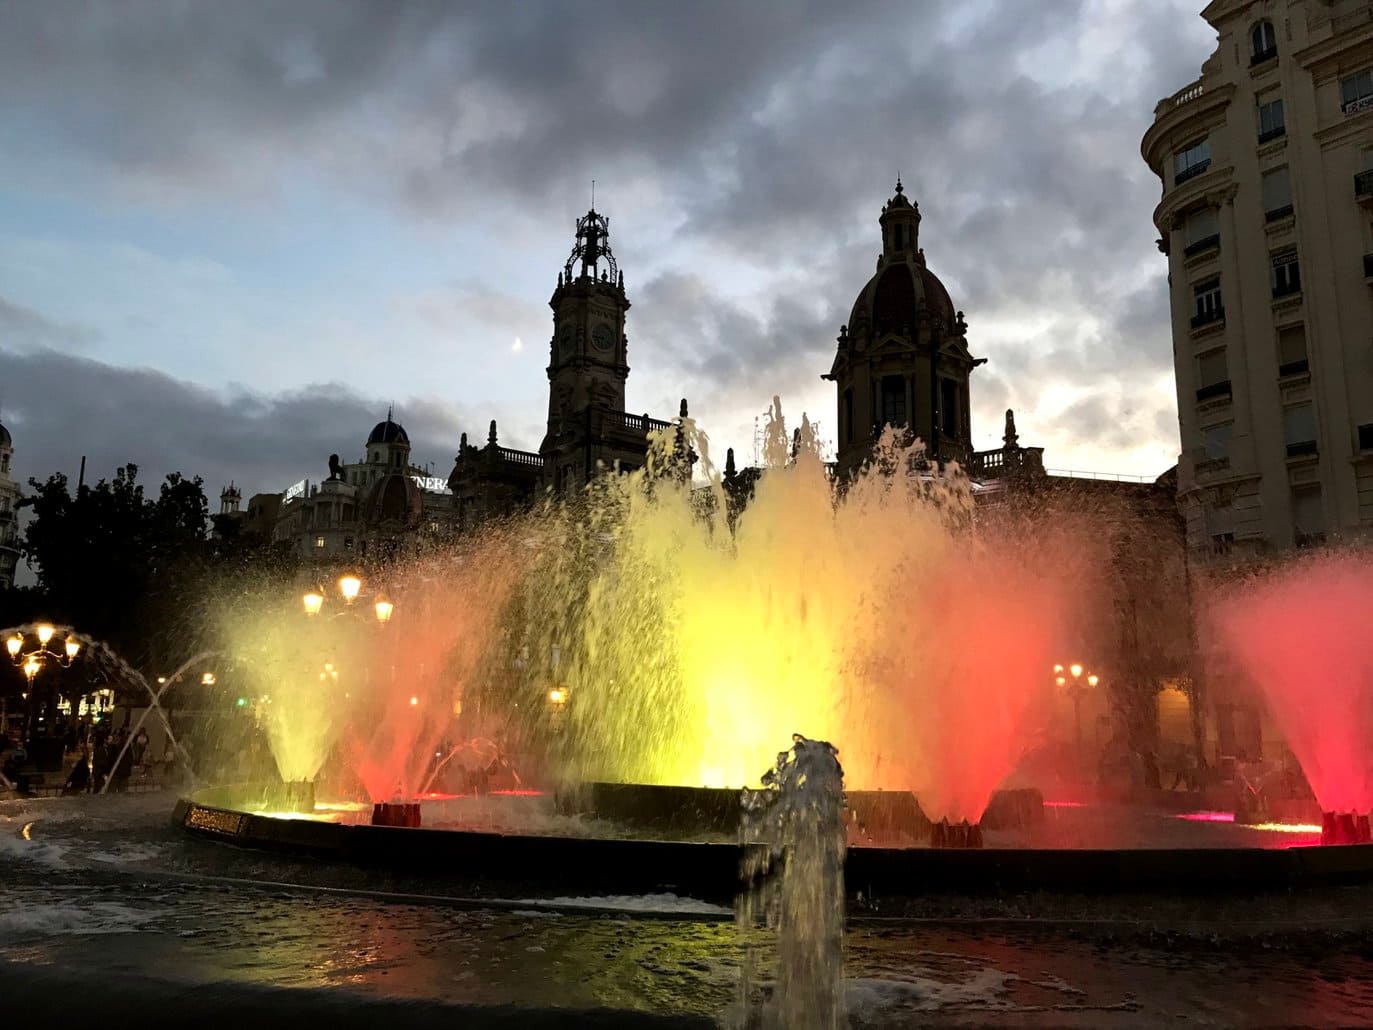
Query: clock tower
x,y
589,430
587,365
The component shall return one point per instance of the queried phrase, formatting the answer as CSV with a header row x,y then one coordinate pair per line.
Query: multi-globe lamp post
x,y
350,591
1077,680
32,653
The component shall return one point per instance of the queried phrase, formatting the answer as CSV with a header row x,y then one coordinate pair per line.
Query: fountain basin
x,y
878,815
710,868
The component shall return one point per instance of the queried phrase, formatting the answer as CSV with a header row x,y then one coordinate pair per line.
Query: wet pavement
x,y
107,887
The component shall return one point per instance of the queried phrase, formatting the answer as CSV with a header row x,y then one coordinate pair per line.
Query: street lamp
x,y
32,659
1076,689
350,589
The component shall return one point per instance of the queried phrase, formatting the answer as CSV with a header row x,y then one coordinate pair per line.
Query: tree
x,y
118,566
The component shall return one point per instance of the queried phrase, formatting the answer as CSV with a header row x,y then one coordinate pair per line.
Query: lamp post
x,y
1077,680
350,589
32,651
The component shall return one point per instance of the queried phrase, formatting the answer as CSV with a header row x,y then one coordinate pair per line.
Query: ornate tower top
x,y
592,249
900,225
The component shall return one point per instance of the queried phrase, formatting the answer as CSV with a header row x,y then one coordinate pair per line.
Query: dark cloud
x,y
20,324
764,134
263,442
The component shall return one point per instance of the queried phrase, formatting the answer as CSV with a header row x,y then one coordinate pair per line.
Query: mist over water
x,y
1301,636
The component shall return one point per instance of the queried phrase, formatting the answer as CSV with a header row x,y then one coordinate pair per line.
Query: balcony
x,y
1304,540
1278,213
1202,245
1264,55
1286,289
1209,317
1191,173
1302,449
1278,132
1293,368
1363,187
1214,390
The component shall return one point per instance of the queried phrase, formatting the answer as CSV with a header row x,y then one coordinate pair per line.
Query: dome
x,y
5,439
890,300
389,432
395,498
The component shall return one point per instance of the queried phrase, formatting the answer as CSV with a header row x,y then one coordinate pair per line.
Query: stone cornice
x,y
1216,187
1212,99
1323,59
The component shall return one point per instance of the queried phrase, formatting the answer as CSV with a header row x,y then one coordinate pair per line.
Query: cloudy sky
x,y
232,233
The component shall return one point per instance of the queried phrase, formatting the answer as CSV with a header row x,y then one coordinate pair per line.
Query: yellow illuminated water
x,y
893,619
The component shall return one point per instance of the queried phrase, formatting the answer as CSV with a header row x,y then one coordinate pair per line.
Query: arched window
x,y
1264,40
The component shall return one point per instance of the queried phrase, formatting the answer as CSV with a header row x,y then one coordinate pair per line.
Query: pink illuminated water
x,y
1302,637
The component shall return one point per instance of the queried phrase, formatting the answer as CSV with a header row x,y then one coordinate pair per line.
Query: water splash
x,y
793,873
115,669
1300,635
879,612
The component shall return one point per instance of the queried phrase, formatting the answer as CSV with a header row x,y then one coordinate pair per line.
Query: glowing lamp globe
x,y
384,610
45,633
1093,680
350,587
13,645
313,603
1075,669
31,668
73,648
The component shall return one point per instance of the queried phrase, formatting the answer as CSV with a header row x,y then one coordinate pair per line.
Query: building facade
x,y
374,508
9,514
1266,219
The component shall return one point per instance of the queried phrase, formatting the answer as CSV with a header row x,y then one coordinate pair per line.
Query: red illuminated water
x,y
420,673
1302,637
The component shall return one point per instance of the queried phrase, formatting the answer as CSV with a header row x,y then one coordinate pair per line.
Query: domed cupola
x,y
902,359
388,444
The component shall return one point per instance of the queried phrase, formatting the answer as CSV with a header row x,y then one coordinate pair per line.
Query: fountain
x,y
637,650
793,879
115,669
1300,636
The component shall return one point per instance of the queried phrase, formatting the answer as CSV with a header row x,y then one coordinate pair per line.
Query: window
x,y
319,543
948,407
1366,436
1286,274
1271,124
1308,520
1356,92
1213,375
1277,193
1215,442
894,400
5,463
896,237
1292,350
1208,301
1201,231
1191,162
348,543
1299,429
1220,527
1263,43
848,415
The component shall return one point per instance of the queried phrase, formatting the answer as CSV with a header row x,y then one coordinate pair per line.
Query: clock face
x,y
602,338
